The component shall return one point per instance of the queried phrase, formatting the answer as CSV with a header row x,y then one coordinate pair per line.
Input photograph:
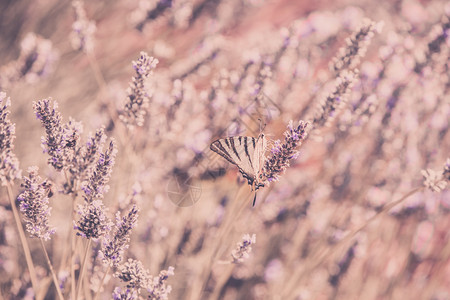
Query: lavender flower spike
x,y
33,203
96,185
119,240
157,289
282,153
349,56
128,294
9,164
86,156
93,222
133,274
134,110
46,111
331,105
83,29
243,248
437,181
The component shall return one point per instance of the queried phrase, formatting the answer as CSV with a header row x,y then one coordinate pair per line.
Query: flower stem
x,y
233,213
83,268
321,256
23,240
55,280
72,251
101,283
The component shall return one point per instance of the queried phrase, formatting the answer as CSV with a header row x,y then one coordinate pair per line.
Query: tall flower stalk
x,y
92,224
47,112
33,202
10,171
118,241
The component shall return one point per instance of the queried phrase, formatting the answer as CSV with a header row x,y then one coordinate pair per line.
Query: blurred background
x,y
232,67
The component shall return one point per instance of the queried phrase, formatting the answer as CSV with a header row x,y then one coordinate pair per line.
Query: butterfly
x,y
247,153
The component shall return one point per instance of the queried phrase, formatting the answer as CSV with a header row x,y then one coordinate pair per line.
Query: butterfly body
x,y
247,153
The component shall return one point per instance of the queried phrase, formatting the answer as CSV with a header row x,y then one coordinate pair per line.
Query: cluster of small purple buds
x,y
33,203
117,242
133,112
283,152
93,222
96,185
46,111
243,248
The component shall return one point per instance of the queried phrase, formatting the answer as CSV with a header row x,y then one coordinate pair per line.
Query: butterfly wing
x,y
239,151
259,153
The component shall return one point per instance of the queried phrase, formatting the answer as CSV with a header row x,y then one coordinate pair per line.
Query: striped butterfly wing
x,y
247,153
259,156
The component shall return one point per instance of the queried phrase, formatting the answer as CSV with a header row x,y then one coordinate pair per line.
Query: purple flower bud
x,y
133,112
282,153
96,185
93,222
33,203
117,242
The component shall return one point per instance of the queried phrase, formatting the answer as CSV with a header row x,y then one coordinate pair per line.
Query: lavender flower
x,y
342,266
263,76
33,203
437,181
157,287
87,155
119,240
81,160
62,142
133,274
128,294
83,29
37,57
134,111
330,106
70,138
150,10
243,248
51,119
440,36
133,197
96,185
348,57
93,222
446,173
9,164
282,153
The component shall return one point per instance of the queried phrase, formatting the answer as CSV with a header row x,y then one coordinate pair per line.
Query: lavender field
x,y
225,149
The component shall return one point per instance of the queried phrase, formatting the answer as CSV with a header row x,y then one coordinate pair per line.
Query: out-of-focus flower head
x,y
134,110
82,36
243,248
9,164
